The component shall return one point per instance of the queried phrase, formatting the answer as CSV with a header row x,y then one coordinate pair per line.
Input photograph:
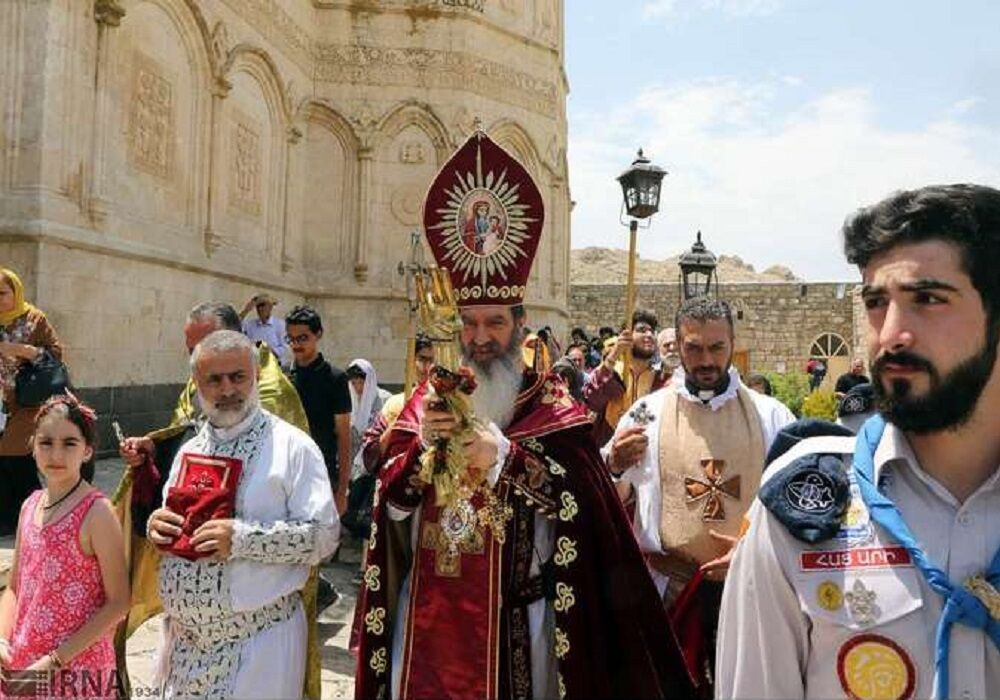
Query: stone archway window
x,y
829,345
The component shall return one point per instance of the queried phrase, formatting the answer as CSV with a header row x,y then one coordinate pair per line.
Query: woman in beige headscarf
x,y
25,336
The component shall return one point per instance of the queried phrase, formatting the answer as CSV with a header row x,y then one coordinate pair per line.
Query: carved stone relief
x,y
407,202
546,22
412,152
245,165
220,42
464,123
432,68
151,119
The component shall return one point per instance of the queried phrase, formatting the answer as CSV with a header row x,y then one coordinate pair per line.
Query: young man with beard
x,y
690,456
605,392
520,578
871,564
232,601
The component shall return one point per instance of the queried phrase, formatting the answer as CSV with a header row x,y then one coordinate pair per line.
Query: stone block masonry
x,y
776,322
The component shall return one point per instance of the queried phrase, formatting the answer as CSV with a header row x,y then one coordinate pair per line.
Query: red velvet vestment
x,y
467,631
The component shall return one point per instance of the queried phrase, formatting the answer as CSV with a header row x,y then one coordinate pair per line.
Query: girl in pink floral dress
x,y
68,585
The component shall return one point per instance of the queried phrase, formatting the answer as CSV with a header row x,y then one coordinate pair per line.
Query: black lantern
x,y
698,271
641,187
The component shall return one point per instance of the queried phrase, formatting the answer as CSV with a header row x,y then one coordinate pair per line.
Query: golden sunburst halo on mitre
x,y
486,223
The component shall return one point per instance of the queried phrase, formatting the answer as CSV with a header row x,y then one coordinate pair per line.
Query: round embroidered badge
x,y
873,667
830,596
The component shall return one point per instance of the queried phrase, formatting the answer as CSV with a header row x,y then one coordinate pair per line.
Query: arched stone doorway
x,y
834,351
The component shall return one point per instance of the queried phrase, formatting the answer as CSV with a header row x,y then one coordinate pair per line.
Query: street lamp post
x,y
698,276
641,193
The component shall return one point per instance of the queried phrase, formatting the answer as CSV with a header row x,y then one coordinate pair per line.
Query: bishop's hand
x,y
481,448
439,423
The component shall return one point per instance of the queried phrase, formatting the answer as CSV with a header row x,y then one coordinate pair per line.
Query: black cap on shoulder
x,y
800,430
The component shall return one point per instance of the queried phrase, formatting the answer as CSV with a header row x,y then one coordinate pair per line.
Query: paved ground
x,y
334,621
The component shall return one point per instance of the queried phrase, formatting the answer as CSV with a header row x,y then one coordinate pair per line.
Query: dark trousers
x,y
18,479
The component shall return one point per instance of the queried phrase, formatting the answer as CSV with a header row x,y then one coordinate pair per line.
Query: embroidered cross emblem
x,y
448,556
712,489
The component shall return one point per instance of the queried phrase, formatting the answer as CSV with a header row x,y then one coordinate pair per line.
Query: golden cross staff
x,y
410,271
444,464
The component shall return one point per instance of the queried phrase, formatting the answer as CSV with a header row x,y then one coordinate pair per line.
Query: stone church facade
x,y
159,153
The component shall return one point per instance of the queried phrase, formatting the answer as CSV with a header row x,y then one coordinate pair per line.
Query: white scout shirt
x,y
645,476
852,617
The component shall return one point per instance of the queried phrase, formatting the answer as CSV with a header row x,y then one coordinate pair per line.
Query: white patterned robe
x,y
236,628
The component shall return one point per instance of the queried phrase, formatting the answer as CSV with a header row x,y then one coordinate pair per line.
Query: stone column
x,y
557,282
220,90
293,136
366,155
107,14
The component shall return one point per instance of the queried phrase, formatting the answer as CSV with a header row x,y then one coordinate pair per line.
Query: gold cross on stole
x,y
447,561
712,489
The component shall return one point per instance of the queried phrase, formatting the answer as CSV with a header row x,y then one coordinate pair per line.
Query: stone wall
x,y
776,323
159,153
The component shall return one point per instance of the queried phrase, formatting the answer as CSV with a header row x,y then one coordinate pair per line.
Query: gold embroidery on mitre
x,y
712,489
565,551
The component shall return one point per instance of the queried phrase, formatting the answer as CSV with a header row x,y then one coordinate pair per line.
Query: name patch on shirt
x,y
857,558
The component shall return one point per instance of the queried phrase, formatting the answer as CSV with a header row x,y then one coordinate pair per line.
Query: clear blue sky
x,y
776,118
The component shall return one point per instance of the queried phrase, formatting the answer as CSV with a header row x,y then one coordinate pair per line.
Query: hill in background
x,y
595,265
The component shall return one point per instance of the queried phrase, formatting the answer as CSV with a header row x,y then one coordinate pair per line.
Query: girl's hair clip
x,y
70,400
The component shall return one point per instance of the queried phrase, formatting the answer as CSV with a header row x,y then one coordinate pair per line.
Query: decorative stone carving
x,y
476,5
464,123
546,22
279,29
364,118
151,119
213,241
432,68
108,12
412,152
245,166
220,42
407,204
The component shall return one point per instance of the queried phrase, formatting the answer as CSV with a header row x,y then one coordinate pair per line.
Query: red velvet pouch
x,y
206,490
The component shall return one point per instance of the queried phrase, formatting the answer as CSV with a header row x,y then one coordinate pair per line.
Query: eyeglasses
x,y
642,328
297,339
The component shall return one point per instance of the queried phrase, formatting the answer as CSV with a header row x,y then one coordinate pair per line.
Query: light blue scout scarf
x,y
960,605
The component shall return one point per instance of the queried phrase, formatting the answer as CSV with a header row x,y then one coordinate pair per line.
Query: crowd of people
x,y
630,517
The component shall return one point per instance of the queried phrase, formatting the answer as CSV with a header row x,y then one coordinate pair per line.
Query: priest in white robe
x,y
690,458
234,623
